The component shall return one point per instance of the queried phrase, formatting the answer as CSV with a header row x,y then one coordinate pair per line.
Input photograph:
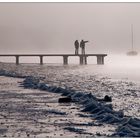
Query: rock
x,y
89,107
42,86
65,100
107,98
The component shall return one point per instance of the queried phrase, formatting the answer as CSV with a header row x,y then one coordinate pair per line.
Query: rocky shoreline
x,y
104,113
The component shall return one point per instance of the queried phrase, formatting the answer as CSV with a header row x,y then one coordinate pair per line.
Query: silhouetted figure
x,y
76,43
82,45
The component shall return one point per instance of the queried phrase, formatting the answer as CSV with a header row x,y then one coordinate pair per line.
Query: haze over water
x,y
53,27
116,66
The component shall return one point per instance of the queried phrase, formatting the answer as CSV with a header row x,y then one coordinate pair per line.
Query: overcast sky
x,y
53,27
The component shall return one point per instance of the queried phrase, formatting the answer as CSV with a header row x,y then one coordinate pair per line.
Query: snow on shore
x,y
104,113
124,112
33,113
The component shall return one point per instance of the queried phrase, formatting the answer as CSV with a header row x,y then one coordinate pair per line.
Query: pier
x,y
82,58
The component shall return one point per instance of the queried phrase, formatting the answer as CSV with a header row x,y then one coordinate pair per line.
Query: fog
x,y
53,27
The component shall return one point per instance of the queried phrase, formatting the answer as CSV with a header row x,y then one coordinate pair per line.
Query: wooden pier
x,y
82,58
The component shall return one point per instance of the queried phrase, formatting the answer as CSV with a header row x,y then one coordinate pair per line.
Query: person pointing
x,y
82,46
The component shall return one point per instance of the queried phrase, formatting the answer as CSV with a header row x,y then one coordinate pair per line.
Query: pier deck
x,y
82,58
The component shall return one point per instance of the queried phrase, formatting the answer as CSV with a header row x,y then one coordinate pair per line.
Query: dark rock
x,y
90,96
77,95
65,100
107,98
96,110
90,107
109,106
42,86
56,112
59,90
73,129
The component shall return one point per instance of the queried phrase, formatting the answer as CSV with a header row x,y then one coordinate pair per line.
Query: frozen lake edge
x,y
106,118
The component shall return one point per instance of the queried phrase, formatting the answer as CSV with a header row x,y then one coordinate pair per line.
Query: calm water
x,y
116,66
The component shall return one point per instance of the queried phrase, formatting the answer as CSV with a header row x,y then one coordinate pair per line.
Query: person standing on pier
x,y
76,43
82,46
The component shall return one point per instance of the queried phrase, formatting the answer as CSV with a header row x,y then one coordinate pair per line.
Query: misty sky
x,y
53,27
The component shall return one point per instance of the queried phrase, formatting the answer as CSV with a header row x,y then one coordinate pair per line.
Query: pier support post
x,y
100,60
65,60
41,60
81,59
85,60
17,60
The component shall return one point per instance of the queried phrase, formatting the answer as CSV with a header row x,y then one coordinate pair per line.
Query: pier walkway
x,y
82,58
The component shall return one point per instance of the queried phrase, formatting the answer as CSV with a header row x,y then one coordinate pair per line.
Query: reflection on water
x,y
116,66
122,66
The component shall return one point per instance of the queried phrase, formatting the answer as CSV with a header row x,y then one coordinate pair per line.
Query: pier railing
x,y
82,58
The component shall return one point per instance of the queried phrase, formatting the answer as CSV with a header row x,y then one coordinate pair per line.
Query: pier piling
x,y
100,60
41,60
17,60
82,58
65,60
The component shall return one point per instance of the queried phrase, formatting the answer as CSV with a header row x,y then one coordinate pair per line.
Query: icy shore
x,y
85,89
104,113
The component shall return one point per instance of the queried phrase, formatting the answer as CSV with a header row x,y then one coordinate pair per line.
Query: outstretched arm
x,y
86,41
